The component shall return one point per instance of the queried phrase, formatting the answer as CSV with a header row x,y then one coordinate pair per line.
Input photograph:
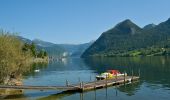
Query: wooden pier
x,y
82,86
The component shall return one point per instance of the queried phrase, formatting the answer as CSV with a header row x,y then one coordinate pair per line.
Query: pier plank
x,y
77,87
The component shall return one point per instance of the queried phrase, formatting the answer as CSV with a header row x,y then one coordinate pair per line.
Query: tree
x,y
33,49
12,58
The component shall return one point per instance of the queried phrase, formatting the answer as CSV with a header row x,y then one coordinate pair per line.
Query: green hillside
x,y
128,39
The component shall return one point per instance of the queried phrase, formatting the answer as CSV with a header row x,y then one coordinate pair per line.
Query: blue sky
x,y
76,21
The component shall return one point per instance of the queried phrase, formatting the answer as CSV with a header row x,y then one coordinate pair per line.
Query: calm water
x,y
153,85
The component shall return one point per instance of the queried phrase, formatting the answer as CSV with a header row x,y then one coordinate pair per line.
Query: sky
x,y
76,21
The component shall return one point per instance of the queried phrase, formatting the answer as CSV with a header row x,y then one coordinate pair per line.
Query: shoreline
x,y
18,80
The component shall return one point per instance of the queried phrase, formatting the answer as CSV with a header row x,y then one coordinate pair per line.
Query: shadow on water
x,y
130,89
57,96
154,70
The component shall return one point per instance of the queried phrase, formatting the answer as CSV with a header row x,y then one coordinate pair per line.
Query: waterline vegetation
x,y
16,58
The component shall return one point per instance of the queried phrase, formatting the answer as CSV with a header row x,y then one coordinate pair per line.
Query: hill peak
x,y
126,27
126,21
149,26
168,21
120,41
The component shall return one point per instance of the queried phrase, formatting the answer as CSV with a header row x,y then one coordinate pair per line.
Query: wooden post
x,y
81,96
95,84
124,77
67,82
116,80
139,72
116,91
82,86
95,94
106,93
132,75
106,81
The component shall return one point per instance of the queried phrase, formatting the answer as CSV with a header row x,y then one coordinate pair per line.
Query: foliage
x,y
35,53
42,54
30,48
15,56
127,39
12,58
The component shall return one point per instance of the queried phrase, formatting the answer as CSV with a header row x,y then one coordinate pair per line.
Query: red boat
x,y
114,72
110,74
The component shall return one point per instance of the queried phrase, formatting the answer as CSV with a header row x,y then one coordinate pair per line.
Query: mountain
x,y
52,49
128,39
58,50
126,27
43,43
25,40
114,39
76,50
149,26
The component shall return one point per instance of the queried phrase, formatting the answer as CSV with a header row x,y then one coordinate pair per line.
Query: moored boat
x,y
116,73
110,74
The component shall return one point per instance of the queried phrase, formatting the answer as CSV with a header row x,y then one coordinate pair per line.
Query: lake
x,y
154,83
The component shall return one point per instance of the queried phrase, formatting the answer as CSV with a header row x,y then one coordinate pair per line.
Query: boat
x,y
116,73
37,70
110,74
104,76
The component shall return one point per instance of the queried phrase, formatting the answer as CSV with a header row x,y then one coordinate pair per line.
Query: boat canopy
x,y
114,72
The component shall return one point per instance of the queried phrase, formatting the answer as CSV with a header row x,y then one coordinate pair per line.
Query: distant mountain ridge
x,y
52,49
128,39
58,50
43,43
25,40
76,50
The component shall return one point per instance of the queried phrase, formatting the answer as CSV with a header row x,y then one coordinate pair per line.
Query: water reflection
x,y
130,89
154,72
57,96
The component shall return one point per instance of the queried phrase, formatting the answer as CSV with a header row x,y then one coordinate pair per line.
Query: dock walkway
x,y
79,87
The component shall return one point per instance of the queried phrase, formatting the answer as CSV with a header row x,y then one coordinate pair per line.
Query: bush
x,y
12,57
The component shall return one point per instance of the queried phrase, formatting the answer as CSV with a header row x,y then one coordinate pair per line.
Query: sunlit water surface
x,y
154,83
